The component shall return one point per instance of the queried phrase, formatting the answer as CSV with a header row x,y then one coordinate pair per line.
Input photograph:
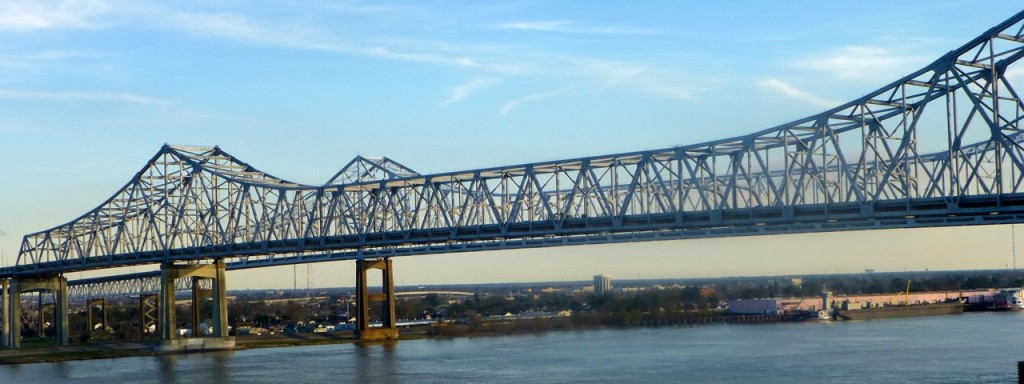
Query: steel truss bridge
x,y
939,147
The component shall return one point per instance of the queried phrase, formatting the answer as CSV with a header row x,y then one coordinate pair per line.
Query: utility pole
x,y
309,280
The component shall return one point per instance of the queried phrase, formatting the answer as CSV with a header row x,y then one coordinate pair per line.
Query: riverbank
x,y
42,351
487,327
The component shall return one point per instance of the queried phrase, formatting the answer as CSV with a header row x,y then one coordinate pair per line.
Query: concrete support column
x,y
14,315
41,309
388,329
60,309
362,296
88,317
197,299
220,300
5,302
105,318
167,324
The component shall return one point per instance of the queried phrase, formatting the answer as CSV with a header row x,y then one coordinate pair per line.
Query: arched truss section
x,y
363,169
940,142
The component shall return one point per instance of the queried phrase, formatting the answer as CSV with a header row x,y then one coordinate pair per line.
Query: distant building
x,y
602,284
764,306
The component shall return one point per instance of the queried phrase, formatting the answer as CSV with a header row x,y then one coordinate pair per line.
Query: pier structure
x,y
170,339
13,288
388,329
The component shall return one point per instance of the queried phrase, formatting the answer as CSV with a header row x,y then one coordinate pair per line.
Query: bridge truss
x,y
131,285
940,146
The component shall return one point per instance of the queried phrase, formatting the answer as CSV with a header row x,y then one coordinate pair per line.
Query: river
x,y
967,348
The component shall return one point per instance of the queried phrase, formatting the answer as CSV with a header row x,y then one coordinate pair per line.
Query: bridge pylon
x,y
388,329
91,304
170,339
12,300
5,304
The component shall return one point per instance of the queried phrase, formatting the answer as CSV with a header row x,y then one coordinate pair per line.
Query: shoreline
x,y
41,351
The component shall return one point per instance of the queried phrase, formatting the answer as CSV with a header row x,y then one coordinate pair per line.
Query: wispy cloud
x,y
568,26
231,26
28,15
373,8
240,28
485,61
792,92
465,90
32,60
515,103
644,78
558,25
1014,75
860,62
429,58
120,97
666,88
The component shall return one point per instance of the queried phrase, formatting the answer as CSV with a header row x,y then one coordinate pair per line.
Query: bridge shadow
x,y
216,372
375,361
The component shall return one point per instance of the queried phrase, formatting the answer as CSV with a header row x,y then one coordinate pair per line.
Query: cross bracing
x,y
940,146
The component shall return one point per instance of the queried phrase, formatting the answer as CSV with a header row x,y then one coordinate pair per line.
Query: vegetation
x,y
635,302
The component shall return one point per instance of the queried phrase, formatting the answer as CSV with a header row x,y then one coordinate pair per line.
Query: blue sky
x,y
90,89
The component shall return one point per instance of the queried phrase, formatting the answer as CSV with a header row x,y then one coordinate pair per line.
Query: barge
x,y
899,310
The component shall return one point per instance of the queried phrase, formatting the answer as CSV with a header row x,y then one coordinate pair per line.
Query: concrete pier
x,y
388,329
56,284
168,325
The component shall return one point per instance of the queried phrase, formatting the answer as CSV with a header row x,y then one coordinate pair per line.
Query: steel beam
x,y
148,314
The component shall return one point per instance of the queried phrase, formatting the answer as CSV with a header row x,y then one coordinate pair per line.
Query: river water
x,y
967,348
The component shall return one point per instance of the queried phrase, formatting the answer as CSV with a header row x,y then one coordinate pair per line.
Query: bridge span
x,y
938,147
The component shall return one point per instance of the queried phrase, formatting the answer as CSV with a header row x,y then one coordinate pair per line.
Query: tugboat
x,y
1011,299
827,312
